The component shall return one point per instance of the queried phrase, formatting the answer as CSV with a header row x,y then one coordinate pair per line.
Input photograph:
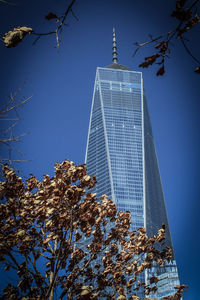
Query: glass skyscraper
x,y
121,154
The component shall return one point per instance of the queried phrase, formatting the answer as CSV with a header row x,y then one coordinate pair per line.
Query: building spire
x,y
114,53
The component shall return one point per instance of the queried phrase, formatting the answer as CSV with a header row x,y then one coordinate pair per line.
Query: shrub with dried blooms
x,y
61,240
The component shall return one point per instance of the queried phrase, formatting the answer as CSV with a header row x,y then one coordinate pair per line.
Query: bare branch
x,y
15,106
51,249
188,50
77,19
7,137
9,3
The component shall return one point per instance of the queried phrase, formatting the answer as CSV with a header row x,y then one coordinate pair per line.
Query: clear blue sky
x,y
57,116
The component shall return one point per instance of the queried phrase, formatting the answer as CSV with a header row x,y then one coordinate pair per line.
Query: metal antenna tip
x,y
114,48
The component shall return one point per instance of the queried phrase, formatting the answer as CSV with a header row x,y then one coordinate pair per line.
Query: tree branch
x,y
55,273
15,106
51,249
188,19
59,28
188,51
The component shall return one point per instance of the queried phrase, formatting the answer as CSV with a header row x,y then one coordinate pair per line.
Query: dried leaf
x,y
50,16
47,240
21,232
149,60
154,280
180,4
121,297
161,71
197,70
14,37
182,15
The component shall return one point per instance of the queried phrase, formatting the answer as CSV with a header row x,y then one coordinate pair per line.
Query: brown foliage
x,y
149,61
83,243
13,37
179,293
50,16
161,71
187,18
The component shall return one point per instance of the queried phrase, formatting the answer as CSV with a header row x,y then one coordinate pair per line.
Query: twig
x,y
7,137
65,14
15,106
59,28
51,249
12,97
188,51
74,15
9,128
14,160
193,4
12,139
57,40
9,3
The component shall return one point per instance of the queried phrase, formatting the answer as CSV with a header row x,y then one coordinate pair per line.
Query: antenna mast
x,y
114,53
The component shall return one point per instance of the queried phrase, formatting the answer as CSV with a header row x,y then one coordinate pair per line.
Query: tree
x,y
84,245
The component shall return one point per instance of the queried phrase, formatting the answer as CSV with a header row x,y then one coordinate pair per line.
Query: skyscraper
x,y
121,154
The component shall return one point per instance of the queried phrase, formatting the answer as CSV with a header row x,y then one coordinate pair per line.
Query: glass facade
x,y
121,154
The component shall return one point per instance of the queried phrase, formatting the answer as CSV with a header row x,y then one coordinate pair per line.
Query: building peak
x,y
115,64
114,53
